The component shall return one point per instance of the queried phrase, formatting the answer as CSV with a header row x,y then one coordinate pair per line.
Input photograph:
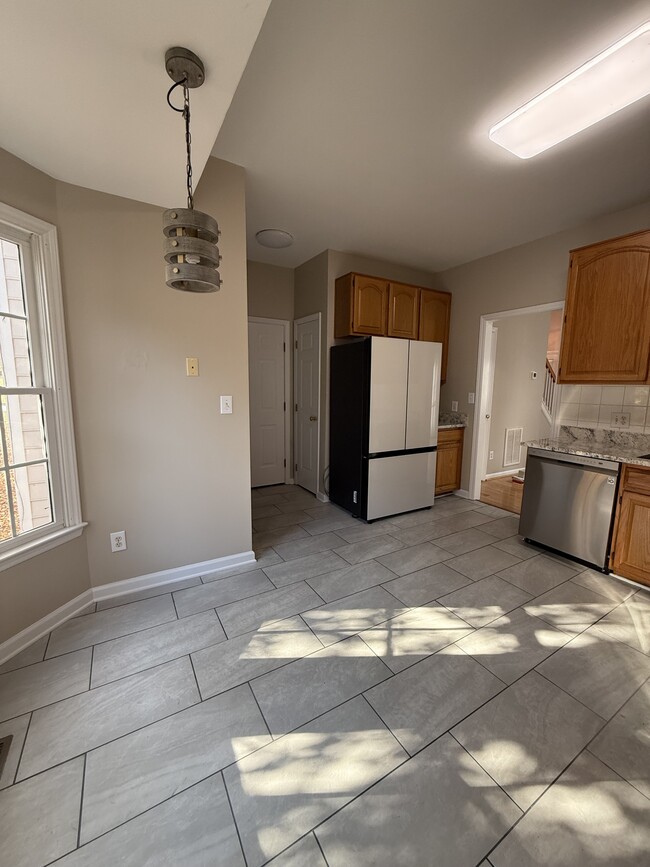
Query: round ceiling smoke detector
x,y
275,238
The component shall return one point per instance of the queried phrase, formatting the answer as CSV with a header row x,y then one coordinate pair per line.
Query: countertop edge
x,y
573,449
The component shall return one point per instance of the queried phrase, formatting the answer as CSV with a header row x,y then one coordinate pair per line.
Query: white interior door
x,y
307,401
266,359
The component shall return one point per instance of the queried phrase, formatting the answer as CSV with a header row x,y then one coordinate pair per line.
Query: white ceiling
x,y
83,87
363,126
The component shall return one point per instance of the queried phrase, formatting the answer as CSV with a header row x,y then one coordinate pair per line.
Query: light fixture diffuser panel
x,y
604,85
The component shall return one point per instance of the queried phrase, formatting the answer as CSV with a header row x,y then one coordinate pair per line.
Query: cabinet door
x,y
403,310
435,312
450,458
606,334
632,543
369,305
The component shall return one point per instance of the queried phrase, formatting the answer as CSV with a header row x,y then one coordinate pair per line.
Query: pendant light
x,y
191,251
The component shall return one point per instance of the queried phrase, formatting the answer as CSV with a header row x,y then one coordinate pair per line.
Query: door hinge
x,y
296,407
284,406
296,344
296,468
285,462
284,346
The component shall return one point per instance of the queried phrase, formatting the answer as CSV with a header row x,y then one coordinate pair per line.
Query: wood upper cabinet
x,y
361,305
606,334
435,315
403,310
449,459
371,305
631,546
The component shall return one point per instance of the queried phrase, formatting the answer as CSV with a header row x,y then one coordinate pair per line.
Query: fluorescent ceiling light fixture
x,y
617,77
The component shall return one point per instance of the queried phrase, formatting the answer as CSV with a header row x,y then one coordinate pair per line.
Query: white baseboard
x,y
25,637
170,576
322,497
461,492
75,606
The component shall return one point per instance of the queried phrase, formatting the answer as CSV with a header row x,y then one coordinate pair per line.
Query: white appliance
x,y
384,396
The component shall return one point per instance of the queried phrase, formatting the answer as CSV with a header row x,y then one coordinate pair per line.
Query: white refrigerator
x,y
384,400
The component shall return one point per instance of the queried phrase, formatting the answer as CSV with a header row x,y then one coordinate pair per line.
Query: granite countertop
x,y
609,445
448,420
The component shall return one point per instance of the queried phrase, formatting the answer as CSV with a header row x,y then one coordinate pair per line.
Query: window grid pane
x,y
25,478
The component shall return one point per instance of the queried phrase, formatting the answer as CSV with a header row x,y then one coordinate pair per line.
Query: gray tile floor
x,y
423,690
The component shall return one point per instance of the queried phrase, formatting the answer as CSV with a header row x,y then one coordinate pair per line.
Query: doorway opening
x,y
516,398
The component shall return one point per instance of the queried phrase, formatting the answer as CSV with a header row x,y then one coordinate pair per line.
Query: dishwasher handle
x,y
595,464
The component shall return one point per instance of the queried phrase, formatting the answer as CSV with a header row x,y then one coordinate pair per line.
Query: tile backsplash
x,y
594,405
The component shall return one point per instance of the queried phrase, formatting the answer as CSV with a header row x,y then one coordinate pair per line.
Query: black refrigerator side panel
x,y
349,401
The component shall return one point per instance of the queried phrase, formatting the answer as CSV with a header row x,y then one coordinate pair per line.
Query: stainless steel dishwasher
x,y
568,504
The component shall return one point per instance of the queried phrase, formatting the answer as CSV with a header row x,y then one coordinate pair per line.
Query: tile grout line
x,y
174,602
22,749
321,849
232,813
196,681
81,801
250,687
485,771
113,638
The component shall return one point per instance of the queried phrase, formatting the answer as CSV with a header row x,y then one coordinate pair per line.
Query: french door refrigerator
x,y
384,395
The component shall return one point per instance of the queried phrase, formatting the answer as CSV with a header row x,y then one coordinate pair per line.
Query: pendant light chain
x,y
188,143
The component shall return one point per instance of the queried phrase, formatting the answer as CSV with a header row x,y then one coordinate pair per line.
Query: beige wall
x,y
517,399
155,456
523,276
270,291
41,584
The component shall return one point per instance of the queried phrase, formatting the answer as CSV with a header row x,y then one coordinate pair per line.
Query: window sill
x,y
40,546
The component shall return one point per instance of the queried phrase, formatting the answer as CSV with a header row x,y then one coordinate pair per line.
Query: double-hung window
x,y
39,491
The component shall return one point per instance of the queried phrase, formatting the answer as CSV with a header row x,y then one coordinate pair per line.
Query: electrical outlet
x,y
226,404
620,419
118,541
491,456
454,406
470,397
192,366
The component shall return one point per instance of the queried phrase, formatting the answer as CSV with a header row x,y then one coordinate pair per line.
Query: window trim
x,y
46,268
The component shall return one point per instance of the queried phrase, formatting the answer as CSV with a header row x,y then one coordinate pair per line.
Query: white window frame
x,y
48,341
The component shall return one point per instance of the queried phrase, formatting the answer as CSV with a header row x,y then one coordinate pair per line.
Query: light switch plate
x,y
454,406
226,404
470,397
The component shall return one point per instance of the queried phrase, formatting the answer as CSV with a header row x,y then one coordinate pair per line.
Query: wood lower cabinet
x,y
606,333
361,306
403,311
449,459
435,316
630,555
371,305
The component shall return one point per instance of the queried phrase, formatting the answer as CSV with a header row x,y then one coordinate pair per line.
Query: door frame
x,y
313,317
481,432
263,320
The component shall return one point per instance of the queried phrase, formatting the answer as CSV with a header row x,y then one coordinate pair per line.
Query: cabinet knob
x,y
487,415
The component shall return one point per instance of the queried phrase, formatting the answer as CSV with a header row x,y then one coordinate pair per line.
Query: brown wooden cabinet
x,y
361,305
403,311
606,333
630,556
371,305
435,316
449,459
